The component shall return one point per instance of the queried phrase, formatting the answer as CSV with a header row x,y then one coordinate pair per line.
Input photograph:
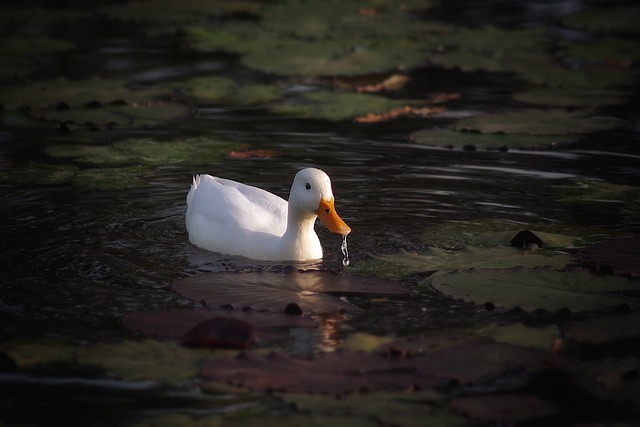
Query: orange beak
x,y
327,214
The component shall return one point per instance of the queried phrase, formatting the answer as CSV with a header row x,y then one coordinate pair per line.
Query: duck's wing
x,y
233,204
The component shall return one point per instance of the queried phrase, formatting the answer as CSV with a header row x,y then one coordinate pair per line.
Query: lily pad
x,y
312,291
539,288
538,122
609,20
336,57
455,235
25,46
354,371
492,141
164,361
132,116
335,106
519,334
402,409
435,259
619,256
62,94
144,151
223,90
59,174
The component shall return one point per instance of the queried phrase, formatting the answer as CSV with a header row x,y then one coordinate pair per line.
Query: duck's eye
x,y
307,186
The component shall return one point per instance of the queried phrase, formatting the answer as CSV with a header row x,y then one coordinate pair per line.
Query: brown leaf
x,y
393,82
442,97
397,112
254,154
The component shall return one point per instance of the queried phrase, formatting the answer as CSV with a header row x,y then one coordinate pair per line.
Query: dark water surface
x,y
75,260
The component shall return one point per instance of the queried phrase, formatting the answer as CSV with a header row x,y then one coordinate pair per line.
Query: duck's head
x,y
311,192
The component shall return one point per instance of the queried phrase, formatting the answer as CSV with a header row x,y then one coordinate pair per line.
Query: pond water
x,y
76,259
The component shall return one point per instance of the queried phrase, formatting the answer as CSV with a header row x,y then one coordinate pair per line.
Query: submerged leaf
x,y
311,290
268,326
539,288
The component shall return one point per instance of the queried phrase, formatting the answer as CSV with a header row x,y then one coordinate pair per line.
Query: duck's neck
x,y
300,235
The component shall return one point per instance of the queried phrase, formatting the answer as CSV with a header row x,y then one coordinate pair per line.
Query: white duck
x,y
237,219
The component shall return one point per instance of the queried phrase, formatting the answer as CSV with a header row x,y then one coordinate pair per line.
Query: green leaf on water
x,y
493,141
335,106
215,89
435,259
144,151
33,352
521,335
53,94
538,122
486,232
539,288
147,114
25,46
163,361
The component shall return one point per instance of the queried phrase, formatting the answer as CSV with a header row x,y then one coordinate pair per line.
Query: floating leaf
x,y
538,122
492,141
53,94
137,115
215,89
352,371
435,259
519,334
144,151
164,361
310,290
403,409
457,234
539,288
608,20
336,106
34,352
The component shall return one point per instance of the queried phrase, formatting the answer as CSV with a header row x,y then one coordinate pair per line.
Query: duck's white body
x,y
237,219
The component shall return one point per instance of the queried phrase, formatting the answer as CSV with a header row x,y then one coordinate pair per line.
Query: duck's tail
x,y
194,186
